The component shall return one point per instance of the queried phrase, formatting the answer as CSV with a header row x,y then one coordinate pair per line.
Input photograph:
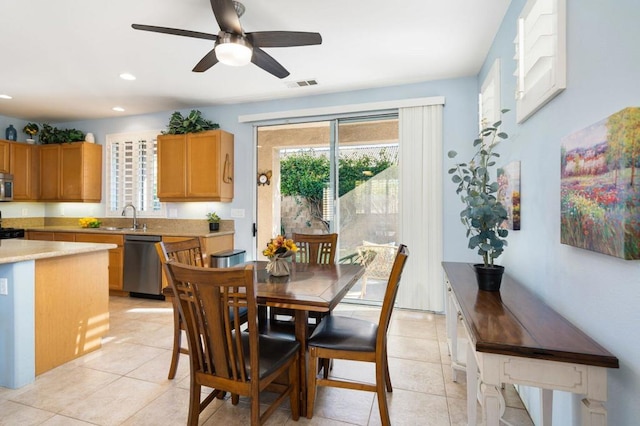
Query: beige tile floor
x,y
125,382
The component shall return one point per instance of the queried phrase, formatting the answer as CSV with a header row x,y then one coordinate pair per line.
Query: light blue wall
x,y
459,124
17,325
600,294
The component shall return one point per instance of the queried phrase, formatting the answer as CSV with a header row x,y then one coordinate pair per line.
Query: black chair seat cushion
x,y
274,352
345,333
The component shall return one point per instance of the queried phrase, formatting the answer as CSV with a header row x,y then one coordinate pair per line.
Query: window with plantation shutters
x,y
132,173
540,48
489,98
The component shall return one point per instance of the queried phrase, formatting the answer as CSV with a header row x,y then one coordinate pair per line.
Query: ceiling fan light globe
x,y
233,50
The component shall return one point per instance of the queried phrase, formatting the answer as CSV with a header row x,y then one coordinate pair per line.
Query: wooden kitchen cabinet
x,y
116,256
71,172
4,156
23,165
196,166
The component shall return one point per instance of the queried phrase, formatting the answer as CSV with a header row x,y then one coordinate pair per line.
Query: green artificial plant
x,y
192,123
212,217
50,134
483,214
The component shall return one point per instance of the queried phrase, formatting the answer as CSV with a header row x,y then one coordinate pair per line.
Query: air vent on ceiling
x,y
302,83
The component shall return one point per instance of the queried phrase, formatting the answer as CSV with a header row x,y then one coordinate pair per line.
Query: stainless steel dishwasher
x,y
142,268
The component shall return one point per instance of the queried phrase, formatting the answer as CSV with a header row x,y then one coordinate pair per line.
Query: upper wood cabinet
x,y
196,166
4,156
24,168
71,172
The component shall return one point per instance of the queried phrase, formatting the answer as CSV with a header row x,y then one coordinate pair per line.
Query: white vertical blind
x,y
132,174
421,207
540,48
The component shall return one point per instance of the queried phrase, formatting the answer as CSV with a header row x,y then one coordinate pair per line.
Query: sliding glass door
x,y
334,176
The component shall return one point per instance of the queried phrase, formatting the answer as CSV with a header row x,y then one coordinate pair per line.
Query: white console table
x,y
512,336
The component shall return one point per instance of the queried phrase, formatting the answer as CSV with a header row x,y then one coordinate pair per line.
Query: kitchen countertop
x,y
17,250
149,231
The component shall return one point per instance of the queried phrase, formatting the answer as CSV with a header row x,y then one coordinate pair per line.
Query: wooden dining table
x,y
317,288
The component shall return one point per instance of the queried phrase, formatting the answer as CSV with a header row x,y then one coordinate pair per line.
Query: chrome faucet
x,y
135,217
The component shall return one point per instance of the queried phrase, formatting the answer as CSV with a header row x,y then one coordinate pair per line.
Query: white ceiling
x,y
61,59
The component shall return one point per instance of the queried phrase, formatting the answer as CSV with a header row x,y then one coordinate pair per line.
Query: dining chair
x,y
349,338
314,249
188,252
243,363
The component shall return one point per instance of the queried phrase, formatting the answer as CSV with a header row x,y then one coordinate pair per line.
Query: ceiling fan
x,y
235,47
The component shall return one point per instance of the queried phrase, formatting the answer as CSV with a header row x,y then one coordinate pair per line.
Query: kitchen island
x,y
54,305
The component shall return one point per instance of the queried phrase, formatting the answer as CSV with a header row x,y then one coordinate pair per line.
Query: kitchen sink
x,y
115,228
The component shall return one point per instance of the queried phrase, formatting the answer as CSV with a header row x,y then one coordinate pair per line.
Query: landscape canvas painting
x,y
600,206
509,193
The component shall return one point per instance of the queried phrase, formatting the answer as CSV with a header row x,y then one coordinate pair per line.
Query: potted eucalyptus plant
x,y
214,221
483,214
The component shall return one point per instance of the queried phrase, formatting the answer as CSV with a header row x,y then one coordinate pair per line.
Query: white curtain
x,y
421,207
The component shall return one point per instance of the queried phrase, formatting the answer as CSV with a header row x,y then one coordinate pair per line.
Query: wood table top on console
x,y
514,321
514,337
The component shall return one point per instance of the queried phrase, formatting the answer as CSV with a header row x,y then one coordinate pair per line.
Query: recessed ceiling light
x,y
127,76
119,109
5,97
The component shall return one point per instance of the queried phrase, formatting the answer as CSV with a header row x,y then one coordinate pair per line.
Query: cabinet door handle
x,y
226,172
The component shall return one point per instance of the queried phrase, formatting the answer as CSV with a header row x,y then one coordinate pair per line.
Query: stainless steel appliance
x,y
142,268
6,187
8,233
225,259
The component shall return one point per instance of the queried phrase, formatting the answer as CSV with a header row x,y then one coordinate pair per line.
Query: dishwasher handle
x,y
149,238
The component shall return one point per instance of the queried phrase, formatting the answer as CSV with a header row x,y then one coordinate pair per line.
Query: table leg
x,y
593,413
472,386
546,398
301,329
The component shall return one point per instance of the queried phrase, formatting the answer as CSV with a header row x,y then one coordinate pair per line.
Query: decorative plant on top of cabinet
x,y
196,166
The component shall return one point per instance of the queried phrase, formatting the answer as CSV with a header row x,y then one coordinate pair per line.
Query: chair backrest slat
x,y
188,251
316,248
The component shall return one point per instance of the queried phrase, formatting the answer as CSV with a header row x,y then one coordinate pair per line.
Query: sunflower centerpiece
x,y
278,250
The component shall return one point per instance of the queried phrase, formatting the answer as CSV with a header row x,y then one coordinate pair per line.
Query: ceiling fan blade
x,y
175,31
226,16
267,63
283,38
209,60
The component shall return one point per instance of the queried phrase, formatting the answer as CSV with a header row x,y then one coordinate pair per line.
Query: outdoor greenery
x,y
50,134
304,175
192,123
483,214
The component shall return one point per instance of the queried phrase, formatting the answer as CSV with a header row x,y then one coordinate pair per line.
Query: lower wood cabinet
x,y
211,245
116,255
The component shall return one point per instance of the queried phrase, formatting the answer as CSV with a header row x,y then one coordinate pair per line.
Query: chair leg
x,y
177,342
311,381
382,395
255,409
294,397
194,404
